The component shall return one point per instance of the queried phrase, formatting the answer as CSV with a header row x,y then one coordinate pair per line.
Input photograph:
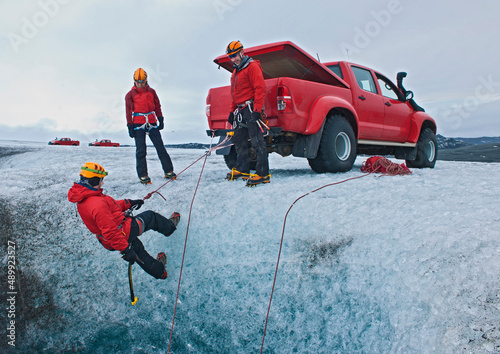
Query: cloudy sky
x,y
67,64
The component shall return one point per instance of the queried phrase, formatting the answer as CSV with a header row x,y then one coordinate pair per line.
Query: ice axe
x,y
133,298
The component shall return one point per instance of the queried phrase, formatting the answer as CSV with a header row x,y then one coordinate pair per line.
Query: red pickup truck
x,y
64,141
104,142
329,112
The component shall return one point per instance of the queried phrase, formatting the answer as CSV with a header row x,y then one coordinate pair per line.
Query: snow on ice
x,y
405,264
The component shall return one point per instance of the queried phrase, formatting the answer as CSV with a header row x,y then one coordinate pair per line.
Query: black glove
x,y
131,131
129,254
137,202
230,119
255,116
160,125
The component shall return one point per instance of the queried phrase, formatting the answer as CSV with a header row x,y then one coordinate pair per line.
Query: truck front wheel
x,y
337,149
426,150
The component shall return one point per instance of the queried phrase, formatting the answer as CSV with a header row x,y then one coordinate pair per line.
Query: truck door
x,y
369,104
397,112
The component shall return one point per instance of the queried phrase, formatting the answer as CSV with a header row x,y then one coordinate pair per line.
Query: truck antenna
x,y
318,57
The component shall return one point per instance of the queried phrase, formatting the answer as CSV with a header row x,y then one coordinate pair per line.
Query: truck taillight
x,y
207,108
284,100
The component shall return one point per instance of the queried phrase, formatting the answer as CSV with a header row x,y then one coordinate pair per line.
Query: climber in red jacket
x,y
248,92
144,117
115,229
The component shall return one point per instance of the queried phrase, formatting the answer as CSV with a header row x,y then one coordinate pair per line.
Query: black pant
x,y
140,151
149,220
250,129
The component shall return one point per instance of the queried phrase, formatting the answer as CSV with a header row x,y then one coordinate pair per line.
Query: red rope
x,y
217,147
185,242
281,245
385,166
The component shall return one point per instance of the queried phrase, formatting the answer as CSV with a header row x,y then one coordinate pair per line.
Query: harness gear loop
x,y
146,126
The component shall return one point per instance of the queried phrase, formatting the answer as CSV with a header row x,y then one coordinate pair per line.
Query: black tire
x,y
427,150
231,158
337,149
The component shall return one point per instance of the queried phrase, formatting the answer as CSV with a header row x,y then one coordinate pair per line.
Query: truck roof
x,y
285,59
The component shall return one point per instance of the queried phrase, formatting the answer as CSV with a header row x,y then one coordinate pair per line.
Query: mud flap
x,y
307,145
405,153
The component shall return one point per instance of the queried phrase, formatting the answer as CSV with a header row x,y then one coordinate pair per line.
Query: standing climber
x,y
144,117
247,105
116,229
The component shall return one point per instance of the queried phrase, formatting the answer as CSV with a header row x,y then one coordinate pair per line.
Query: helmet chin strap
x,y
244,62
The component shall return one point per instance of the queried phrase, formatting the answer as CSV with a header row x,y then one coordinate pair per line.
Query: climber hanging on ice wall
x,y
115,227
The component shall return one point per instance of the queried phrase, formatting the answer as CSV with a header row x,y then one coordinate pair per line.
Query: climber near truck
x,y
248,91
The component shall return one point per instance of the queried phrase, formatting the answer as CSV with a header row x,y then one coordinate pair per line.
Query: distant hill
x,y
484,149
449,143
189,146
481,140
472,153
453,143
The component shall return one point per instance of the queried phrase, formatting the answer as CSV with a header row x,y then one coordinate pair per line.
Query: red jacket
x,y
102,215
142,100
246,84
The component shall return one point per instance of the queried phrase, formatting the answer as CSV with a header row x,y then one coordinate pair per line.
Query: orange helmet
x,y
234,48
140,75
92,169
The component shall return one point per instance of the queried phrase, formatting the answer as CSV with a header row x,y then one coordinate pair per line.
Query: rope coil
x,y
385,166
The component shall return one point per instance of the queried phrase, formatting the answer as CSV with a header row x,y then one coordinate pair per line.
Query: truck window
x,y
336,69
386,89
364,79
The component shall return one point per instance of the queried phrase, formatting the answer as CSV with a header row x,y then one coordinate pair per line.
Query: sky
x,y
67,65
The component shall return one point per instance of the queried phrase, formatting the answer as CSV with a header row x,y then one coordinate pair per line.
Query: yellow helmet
x,y
140,75
92,169
233,48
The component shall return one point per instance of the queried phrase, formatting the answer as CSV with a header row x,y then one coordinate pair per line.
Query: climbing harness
x,y
146,126
238,117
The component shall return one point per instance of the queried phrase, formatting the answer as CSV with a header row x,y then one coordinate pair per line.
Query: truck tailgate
x,y
219,104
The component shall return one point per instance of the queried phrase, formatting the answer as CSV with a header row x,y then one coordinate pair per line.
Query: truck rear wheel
x,y
337,149
426,150
231,159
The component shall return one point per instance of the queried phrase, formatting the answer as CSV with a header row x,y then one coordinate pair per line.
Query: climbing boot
x,y
235,174
145,180
162,257
171,175
256,179
175,218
